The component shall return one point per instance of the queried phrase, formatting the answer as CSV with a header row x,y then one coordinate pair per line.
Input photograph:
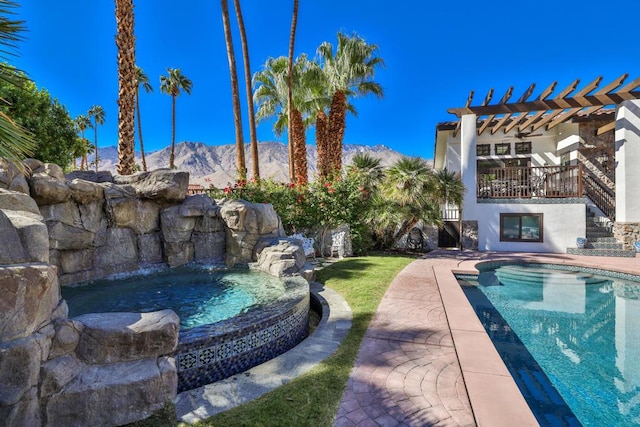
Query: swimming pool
x,y
569,336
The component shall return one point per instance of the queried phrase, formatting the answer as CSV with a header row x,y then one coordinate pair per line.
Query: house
x,y
542,173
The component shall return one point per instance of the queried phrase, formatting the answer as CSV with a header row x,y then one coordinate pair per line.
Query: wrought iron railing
x,y
600,195
527,182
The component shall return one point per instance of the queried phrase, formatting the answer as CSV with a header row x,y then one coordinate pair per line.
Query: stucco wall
x,y
562,224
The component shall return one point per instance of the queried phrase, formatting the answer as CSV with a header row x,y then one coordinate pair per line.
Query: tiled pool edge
x,y
202,402
491,402
494,396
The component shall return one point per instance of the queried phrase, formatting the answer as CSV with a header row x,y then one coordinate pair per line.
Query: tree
x,y
350,71
82,123
141,79
367,170
173,84
407,195
255,166
125,41
15,141
36,114
97,113
271,96
292,38
235,92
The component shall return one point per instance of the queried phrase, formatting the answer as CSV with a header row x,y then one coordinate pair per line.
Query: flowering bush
x,y
314,208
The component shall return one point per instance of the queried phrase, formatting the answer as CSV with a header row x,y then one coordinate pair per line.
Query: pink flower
x,y
227,190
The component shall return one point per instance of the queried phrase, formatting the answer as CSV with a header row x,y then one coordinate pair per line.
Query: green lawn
x,y
313,398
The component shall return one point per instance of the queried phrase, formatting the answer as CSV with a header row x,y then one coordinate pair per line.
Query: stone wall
x,y
469,235
103,369
627,233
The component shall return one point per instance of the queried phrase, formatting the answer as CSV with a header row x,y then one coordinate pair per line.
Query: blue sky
x,y
435,53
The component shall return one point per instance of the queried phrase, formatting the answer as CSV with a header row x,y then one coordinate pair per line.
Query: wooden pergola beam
x,y
504,119
503,100
606,128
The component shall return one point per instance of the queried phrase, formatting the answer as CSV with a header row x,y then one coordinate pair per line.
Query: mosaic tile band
x,y
213,352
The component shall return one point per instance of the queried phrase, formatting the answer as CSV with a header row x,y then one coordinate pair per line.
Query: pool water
x,y
199,294
570,339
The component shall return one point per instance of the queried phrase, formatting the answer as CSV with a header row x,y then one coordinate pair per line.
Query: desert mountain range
x,y
216,164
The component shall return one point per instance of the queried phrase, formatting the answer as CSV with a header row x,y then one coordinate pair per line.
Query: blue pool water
x,y
570,339
199,294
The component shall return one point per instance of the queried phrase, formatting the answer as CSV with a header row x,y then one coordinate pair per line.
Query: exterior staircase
x,y
600,240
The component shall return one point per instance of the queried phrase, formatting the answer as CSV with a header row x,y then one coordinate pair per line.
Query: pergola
x,y
548,110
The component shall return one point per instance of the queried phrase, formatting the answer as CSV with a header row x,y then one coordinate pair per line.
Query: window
x,y
483,149
523,147
502,149
515,227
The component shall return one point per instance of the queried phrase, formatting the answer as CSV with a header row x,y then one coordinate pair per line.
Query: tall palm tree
x,y
350,70
173,84
235,92
15,141
292,38
96,112
126,43
450,191
271,96
141,79
255,167
82,123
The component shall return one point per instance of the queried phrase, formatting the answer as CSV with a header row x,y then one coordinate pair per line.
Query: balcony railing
x,y
527,182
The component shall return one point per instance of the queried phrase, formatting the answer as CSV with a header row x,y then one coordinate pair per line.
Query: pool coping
x,y
202,402
494,396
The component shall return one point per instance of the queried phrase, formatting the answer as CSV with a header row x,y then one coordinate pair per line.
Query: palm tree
x,y
141,79
407,192
235,92
367,169
350,71
255,167
292,38
82,123
126,43
271,96
97,113
15,141
173,84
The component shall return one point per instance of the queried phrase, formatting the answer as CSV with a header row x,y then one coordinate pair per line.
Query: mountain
x,y
216,164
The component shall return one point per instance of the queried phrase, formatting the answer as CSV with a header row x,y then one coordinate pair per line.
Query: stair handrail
x,y
601,196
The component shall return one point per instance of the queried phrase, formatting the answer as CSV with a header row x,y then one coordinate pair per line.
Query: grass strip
x,y
313,399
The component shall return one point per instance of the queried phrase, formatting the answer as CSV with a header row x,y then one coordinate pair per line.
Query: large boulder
x,y
84,192
48,185
19,373
175,227
114,394
66,237
164,185
30,293
142,216
246,223
120,337
178,253
65,338
208,246
91,176
11,249
120,249
33,234
58,372
150,248
11,178
17,201
284,258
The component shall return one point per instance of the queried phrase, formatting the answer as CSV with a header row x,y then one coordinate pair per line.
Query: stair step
x,y
602,252
602,239
603,245
602,233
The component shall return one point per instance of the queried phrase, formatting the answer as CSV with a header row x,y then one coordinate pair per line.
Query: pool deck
x,y
426,359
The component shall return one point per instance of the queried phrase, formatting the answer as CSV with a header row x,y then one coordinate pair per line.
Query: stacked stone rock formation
x,y
116,368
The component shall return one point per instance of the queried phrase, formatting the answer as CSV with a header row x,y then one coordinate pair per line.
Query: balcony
x,y
529,182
